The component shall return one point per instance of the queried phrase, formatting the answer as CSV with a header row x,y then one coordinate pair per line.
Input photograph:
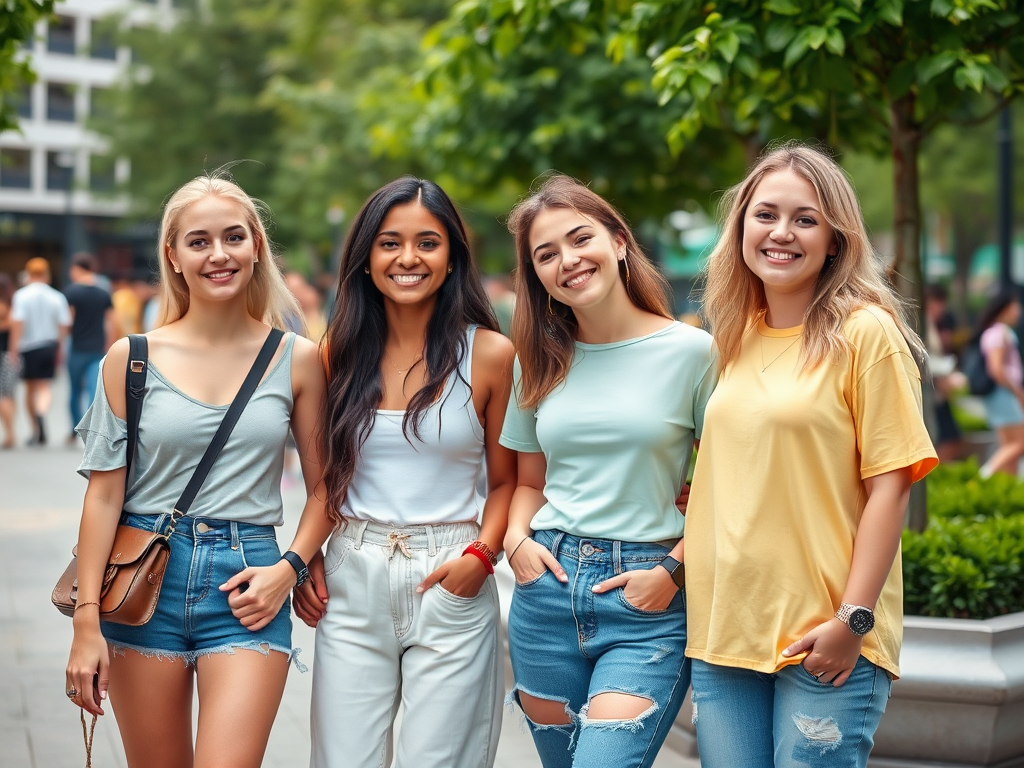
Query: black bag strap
x,y
252,380
134,389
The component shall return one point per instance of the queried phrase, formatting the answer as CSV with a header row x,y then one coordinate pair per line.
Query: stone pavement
x,y
40,503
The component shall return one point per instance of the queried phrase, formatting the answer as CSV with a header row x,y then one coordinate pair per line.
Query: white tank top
x,y
438,478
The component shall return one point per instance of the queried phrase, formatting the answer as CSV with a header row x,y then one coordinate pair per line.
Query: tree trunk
x,y
907,273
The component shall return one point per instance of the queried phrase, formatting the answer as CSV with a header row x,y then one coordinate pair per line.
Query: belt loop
x,y
431,541
616,557
158,526
557,543
359,527
234,535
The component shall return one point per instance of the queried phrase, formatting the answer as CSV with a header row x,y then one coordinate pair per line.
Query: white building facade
x,y
58,180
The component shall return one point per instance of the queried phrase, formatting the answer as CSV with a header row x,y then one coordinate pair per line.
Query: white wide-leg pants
x,y
382,644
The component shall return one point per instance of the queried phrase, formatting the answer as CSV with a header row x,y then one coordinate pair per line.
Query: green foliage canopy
x,y
17,26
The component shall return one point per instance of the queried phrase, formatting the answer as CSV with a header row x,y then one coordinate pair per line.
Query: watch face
x,y
861,621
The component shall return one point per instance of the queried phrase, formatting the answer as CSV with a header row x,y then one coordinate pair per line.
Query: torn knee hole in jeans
x,y
536,718
821,733
634,723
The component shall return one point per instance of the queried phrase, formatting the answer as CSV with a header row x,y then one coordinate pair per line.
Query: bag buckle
x,y
138,366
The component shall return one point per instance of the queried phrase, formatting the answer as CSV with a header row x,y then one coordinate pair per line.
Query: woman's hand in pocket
x,y
530,560
257,604
649,590
310,600
462,576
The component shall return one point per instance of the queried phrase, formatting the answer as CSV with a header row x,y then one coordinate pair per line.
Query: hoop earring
x,y
550,310
625,263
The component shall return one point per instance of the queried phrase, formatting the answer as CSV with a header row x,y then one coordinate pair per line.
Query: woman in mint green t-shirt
x,y
610,396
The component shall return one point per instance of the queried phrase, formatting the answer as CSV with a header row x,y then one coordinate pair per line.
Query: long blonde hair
x,y
543,329
267,296
734,296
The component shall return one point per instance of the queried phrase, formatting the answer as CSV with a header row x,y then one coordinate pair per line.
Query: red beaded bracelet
x,y
471,550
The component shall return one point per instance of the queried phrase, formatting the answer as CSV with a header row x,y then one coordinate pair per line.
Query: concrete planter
x,y
959,703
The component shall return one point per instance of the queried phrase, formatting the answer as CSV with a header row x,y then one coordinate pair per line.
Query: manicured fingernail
x,y
594,588
103,694
419,589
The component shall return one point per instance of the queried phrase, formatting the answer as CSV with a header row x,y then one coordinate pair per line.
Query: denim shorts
x,y
1002,409
569,644
192,616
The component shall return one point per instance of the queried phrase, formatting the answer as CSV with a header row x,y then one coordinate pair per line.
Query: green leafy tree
x,y
17,24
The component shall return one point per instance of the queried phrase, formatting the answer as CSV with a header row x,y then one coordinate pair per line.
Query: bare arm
x,y
995,363
110,327
17,327
101,511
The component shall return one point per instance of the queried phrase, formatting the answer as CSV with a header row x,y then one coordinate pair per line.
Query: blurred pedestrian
x,y
41,321
939,326
1004,405
9,366
503,300
311,304
127,307
812,440
93,326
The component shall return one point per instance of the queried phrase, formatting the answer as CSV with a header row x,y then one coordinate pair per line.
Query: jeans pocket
x,y
338,549
259,552
458,599
533,581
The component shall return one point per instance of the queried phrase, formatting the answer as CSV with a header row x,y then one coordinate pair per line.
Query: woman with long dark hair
x,y
610,395
1004,405
419,379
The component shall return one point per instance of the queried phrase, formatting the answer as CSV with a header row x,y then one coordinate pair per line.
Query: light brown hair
x,y
544,338
734,296
268,297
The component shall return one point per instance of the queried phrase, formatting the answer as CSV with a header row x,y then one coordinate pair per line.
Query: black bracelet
x,y
516,550
301,572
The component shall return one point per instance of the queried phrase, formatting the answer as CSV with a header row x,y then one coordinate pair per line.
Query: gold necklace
x,y
766,367
399,370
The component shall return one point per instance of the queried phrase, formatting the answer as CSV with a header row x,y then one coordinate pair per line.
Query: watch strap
x,y
675,570
296,562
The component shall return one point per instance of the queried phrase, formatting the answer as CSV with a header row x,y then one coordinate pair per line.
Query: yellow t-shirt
x,y
777,491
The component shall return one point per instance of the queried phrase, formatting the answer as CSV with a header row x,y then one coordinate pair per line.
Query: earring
x,y
177,269
550,310
256,260
366,270
449,269
625,263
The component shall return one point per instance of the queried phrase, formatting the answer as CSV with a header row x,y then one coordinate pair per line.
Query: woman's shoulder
x,y
493,351
871,321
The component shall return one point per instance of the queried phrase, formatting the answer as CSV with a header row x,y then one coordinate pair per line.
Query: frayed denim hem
x,y
190,657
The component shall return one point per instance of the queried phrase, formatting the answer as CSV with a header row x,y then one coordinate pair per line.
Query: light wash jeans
x,y
568,644
83,372
382,644
748,719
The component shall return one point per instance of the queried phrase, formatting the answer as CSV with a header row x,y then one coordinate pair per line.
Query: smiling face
x,y
576,258
215,249
786,239
409,257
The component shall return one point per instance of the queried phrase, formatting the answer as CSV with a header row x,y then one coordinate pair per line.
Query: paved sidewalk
x,y
40,503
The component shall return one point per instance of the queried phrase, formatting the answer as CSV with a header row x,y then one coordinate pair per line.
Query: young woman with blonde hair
x,y
812,439
610,394
222,620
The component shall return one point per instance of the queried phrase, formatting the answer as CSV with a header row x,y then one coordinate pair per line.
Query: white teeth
x,y
407,278
218,275
781,255
578,279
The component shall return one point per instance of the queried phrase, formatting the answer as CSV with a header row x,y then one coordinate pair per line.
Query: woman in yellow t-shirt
x,y
812,439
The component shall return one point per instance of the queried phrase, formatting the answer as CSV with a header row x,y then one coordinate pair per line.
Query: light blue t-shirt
x,y
617,434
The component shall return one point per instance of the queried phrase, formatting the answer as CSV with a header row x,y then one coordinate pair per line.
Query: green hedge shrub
x,y
969,562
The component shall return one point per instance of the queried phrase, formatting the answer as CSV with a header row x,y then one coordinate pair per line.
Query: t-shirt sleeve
x,y
993,338
105,435
519,431
888,419
18,307
702,392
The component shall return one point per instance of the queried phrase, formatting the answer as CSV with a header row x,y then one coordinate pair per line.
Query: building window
x,y
25,102
16,168
60,170
104,44
101,173
60,102
61,35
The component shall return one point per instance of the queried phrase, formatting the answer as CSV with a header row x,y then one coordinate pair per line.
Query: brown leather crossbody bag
x,y
138,558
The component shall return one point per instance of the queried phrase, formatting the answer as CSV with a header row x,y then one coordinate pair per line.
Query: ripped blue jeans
x,y
759,720
568,644
192,616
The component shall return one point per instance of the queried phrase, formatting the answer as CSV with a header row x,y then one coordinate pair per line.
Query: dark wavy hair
x,y
993,309
354,344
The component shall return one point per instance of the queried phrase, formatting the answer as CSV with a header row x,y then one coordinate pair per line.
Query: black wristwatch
x,y
675,570
859,619
301,572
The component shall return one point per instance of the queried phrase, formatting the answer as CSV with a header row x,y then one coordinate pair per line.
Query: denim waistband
x,y
428,537
201,528
592,550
